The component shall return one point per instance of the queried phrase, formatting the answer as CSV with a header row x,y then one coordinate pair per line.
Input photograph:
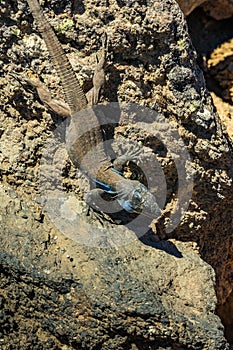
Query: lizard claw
x,y
130,155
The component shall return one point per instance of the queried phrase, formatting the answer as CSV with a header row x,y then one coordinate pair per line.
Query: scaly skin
x,y
131,195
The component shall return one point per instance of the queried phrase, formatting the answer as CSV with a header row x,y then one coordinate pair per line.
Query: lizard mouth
x,y
148,204
139,200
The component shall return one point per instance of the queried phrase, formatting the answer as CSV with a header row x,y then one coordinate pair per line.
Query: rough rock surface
x,y
213,41
218,9
56,292
151,293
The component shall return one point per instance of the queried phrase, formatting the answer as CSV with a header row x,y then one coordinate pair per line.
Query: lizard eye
x,y
137,196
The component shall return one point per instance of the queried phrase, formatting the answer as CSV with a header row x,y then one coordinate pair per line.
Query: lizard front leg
x,y
99,200
132,154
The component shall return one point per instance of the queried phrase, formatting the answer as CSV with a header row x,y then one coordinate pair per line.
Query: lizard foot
x,y
131,155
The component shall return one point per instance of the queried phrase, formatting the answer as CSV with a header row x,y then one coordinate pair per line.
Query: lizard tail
x,y
74,94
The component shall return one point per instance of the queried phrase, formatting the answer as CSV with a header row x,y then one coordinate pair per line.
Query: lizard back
x,y
80,137
85,145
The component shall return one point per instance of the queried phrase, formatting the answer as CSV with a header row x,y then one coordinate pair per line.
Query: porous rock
x,y
150,293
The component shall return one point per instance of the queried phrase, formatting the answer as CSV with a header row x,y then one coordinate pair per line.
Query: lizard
x,y
130,195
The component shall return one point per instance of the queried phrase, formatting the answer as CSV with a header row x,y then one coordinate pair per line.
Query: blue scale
x,y
107,188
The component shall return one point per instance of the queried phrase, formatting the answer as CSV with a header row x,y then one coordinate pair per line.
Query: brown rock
x,y
217,9
187,6
156,291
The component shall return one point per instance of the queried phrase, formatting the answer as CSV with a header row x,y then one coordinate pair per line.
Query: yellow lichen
x,y
65,25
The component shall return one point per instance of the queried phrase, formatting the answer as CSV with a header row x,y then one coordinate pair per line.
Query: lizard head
x,y
134,197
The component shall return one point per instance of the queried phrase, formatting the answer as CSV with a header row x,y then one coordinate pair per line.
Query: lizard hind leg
x,y
57,106
94,94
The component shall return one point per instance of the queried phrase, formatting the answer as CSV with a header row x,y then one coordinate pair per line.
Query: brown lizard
x,y
132,195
